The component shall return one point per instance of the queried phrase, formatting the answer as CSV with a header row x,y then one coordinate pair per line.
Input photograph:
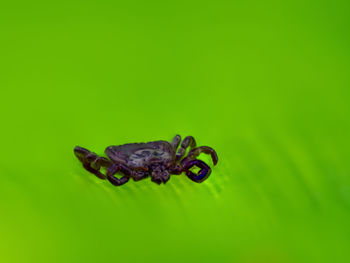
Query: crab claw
x,y
159,177
202,175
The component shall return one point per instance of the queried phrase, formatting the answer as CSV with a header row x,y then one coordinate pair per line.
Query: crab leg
x,y
176,141
91,161
138,175
189,141
115,168
194,153
202,175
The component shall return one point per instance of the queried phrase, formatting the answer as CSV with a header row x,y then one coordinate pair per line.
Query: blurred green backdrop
x,y
265,83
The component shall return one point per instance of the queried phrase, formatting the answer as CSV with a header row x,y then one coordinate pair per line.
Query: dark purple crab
x,y
157,159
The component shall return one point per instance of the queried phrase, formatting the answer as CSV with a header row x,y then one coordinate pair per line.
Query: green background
x,y
265,83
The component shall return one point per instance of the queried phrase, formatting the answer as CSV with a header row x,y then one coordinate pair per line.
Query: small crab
x,y
157,159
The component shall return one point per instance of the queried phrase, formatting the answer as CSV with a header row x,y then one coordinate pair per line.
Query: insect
x,y
157,159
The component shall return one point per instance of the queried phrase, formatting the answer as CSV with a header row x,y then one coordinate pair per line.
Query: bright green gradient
x,y
264,83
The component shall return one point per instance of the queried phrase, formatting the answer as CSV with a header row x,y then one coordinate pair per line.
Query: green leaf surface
x,y
264,83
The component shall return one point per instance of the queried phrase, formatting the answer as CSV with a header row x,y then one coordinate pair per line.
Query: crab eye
x,y
157,153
